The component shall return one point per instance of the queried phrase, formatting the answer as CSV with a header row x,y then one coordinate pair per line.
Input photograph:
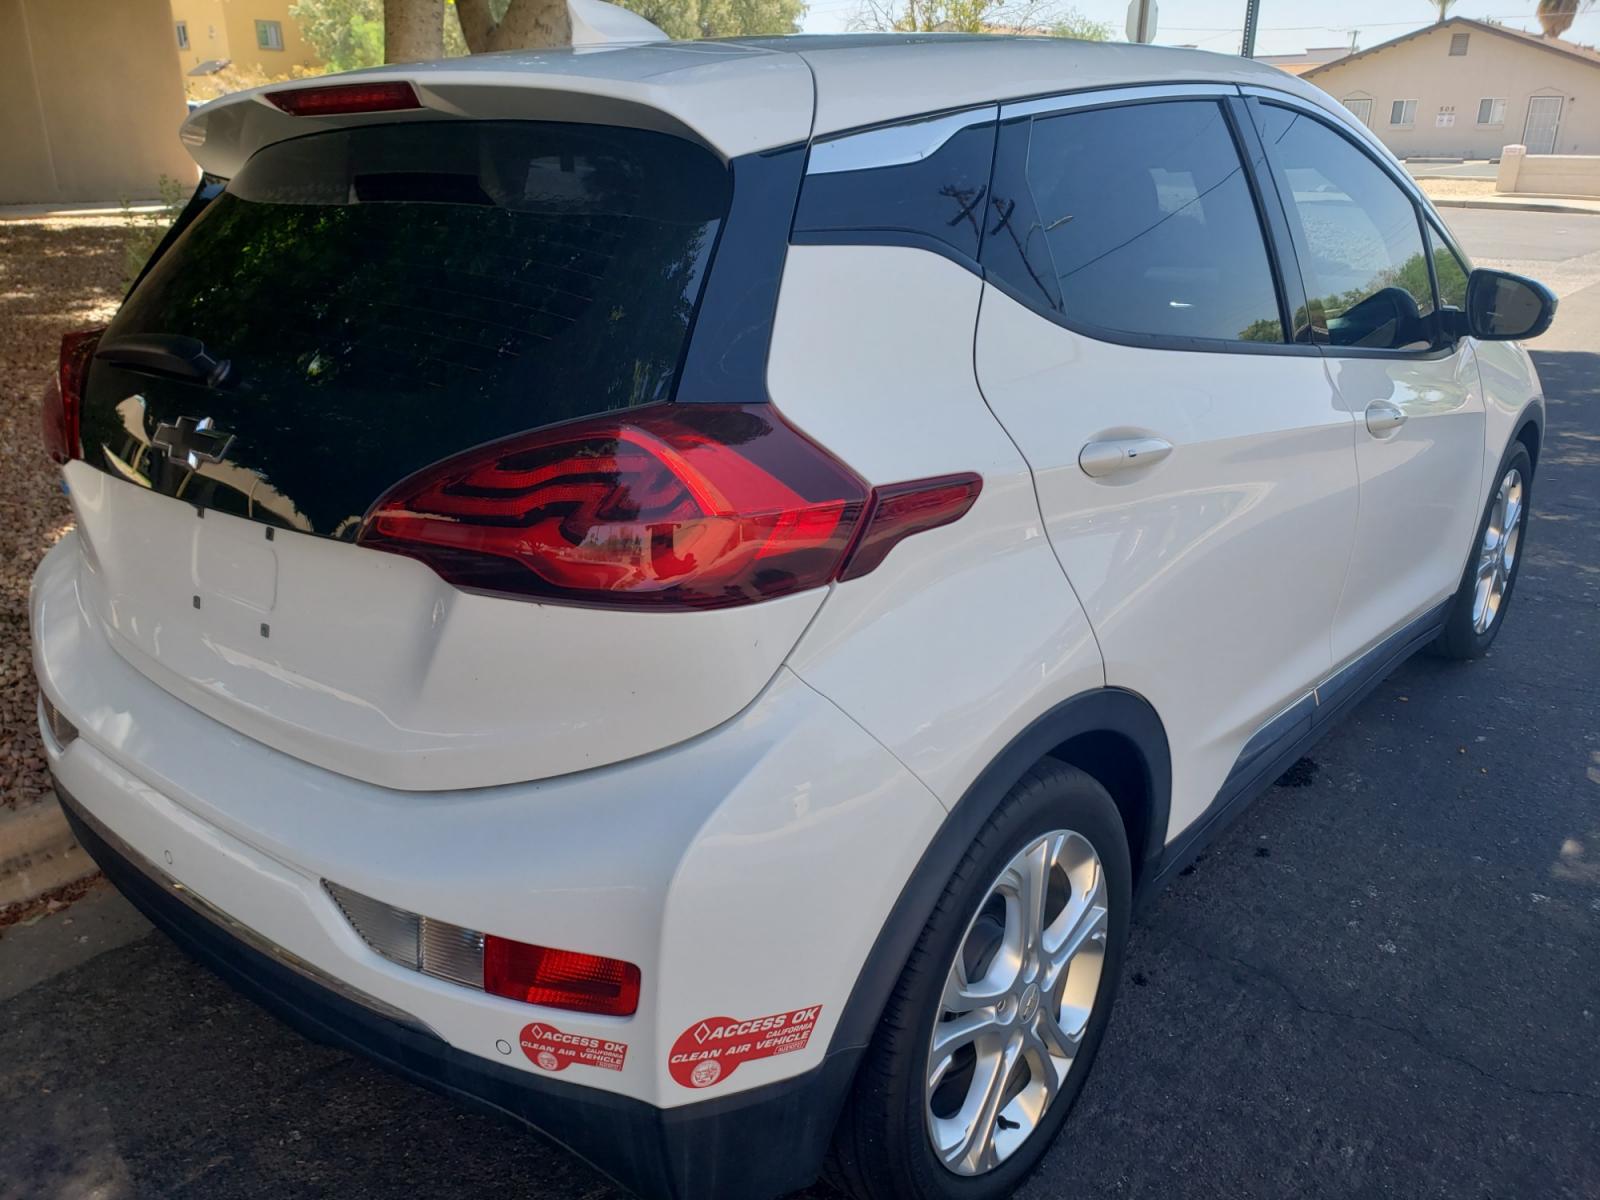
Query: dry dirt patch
x,y
55,276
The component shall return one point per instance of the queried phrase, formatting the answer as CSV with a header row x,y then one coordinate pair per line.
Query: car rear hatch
x,y
357,305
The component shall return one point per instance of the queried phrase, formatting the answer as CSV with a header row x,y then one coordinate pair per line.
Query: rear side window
x,y
1357,234
391,294
1138,220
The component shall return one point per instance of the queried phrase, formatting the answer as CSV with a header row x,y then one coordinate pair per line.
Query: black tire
x,y
882,1149
1460,639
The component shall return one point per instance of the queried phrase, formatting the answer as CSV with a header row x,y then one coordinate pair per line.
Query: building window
x,y
1458,44
183,35
1403,112
269,35
1360,109
1491,112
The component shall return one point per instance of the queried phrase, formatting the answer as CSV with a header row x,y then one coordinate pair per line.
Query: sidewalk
x,y
1519,202
110,208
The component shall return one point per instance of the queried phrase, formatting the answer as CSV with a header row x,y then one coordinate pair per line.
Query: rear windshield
x,y
391,294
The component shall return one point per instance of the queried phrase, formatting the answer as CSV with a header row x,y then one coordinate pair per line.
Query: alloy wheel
x,y
1498,552
1016,1003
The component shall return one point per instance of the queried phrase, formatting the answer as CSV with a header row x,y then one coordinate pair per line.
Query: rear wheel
x,y
995,1022
1481,601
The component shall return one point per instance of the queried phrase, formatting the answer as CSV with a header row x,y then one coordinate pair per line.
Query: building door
x,y
1544,118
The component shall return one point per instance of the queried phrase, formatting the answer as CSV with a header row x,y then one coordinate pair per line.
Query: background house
x,y
1306,60
90,100
1464,88
257,35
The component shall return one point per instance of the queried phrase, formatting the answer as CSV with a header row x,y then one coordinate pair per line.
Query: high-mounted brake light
x,y
61,410
675,506
335,99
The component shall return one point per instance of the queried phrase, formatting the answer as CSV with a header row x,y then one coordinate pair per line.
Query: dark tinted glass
x,y
1357,234
391,294
937,198
1149,223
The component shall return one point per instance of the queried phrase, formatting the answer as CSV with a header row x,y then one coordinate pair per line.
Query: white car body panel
x,y
1420,486
1210,578
792,782
973,617
738,801
432,687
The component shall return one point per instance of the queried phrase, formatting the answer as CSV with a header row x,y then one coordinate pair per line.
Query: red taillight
x,y
62,408
677,506
560,978
674,506
901,509
338,98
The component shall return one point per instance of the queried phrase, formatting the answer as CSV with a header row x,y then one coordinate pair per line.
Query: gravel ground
x,y
55,276
1454,189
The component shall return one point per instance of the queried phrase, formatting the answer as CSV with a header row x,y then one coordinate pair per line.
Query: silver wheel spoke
x,y
1016,1002
1498,553
974,1152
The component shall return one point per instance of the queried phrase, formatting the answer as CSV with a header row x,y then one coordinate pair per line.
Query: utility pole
x,y
1252,9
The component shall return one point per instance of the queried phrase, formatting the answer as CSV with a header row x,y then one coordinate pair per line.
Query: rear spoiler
x,y
685,89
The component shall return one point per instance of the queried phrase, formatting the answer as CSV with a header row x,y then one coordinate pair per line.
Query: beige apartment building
x,y
91,98
1464,89
256,35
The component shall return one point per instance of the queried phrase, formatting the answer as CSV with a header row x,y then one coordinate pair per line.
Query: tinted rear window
x,y
391,294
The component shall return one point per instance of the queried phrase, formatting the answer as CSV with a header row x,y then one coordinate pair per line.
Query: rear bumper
x,y
762,1142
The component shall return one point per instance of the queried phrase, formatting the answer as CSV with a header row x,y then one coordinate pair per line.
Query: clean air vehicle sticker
x,y
711,1050
551,1050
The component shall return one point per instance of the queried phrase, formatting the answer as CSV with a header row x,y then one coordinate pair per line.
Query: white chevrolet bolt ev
x,y
681,592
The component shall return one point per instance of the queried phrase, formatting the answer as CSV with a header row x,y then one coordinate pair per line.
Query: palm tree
x,y
1557,16
1444,6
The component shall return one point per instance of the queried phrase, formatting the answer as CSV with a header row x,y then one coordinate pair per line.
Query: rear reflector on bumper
x,y
534,974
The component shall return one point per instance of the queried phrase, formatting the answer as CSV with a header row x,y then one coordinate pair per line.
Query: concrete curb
x,y
1544,206
38,853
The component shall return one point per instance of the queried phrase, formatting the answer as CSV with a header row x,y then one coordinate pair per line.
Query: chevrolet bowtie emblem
x,y
193,441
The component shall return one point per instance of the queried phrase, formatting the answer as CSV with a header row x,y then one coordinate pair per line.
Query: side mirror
x,y
1502,307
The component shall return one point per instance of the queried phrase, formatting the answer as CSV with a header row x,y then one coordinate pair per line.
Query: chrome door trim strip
x,y
893,145
1069,101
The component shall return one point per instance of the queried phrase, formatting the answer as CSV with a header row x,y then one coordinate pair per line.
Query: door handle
x,y
1384,418
1122,454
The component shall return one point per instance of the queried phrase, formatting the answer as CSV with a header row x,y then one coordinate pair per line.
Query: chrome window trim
x,y
895,145
1347,123
1071,101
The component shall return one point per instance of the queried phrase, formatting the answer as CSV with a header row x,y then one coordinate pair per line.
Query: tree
x,y
1073,24
413,30
1444,6
978,16
346,34
1557,16
364,33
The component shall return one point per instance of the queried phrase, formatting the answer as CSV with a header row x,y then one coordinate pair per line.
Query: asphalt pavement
x,y
1383,981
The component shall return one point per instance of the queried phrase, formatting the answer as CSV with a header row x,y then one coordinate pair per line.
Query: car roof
x,y
739,95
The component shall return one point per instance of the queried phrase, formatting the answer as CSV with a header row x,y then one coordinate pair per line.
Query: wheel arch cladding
x,y
1531,435
1111,734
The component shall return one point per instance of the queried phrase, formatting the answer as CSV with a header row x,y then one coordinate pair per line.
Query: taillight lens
x,y
339,98
899,510
560,978
670,506
62,407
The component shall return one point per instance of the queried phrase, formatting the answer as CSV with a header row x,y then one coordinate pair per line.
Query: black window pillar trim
x,y
1274,220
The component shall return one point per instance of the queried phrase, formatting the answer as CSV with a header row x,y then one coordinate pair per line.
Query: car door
x,y
1398,368
1194,466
